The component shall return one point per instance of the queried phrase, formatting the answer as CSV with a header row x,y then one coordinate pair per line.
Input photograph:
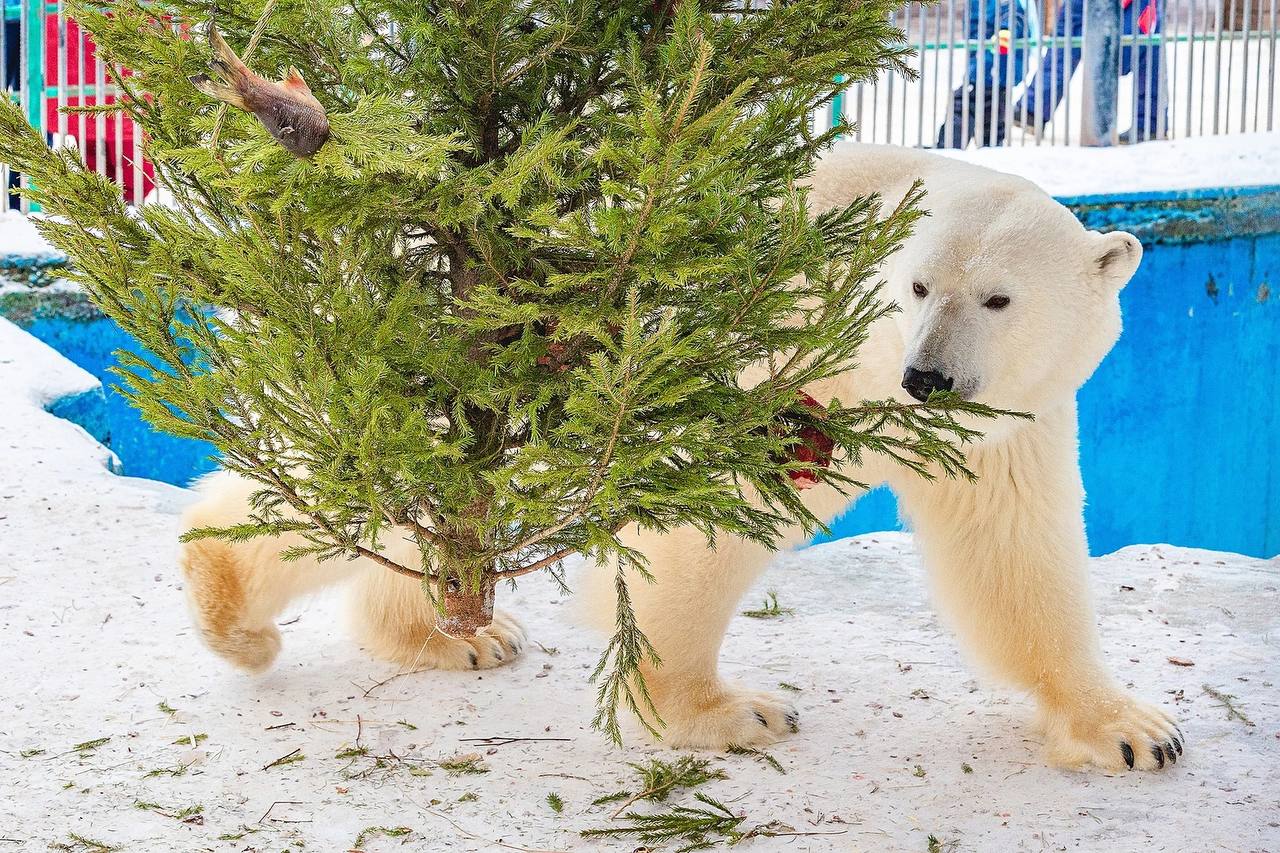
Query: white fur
x,y
1007,554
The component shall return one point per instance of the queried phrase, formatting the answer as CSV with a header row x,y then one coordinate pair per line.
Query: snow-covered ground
x,y
20,239
1200,162
117,724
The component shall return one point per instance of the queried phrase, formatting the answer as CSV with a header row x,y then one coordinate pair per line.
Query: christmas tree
x,y
500,276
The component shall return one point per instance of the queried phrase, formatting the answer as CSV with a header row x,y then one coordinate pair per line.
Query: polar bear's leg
x,y
396,622
1009,563
236,589
684,613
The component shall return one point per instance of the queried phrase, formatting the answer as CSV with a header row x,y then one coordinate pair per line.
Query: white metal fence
x,y
50,64
1195,68
988,72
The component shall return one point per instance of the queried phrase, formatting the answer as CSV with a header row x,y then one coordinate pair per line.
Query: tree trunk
x,y
466,610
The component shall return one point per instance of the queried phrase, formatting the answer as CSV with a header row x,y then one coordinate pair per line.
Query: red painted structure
x,y
109,143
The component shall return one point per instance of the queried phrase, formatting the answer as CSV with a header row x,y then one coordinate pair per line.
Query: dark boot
x,y
959,130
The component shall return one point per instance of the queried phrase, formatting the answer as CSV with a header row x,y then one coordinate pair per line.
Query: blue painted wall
x,y
144,451
1179,426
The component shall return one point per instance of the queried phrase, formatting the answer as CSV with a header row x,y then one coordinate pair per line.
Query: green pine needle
x,y
463,765
89,746
191,740
698,827
78,842
1229,702
759,754
386,831
658,778
510,307
770,609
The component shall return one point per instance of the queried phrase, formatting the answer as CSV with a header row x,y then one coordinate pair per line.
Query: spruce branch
x,y
618,673
659,779
697,826
553,273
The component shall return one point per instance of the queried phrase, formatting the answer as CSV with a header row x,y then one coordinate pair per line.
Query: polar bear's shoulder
x,y
853,169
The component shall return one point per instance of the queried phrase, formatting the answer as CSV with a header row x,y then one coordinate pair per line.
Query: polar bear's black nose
x,y
921,383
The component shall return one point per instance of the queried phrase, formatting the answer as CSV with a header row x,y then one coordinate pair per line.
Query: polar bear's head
x,y
1006,298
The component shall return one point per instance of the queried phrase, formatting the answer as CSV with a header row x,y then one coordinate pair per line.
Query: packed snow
x,y
121,729
1200,162
20,239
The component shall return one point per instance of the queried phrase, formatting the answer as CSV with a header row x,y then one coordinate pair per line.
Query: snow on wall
x,y
34,371
1203,162
21,244
35,382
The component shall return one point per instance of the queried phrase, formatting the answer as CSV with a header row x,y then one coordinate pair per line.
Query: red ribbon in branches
x,y
814,449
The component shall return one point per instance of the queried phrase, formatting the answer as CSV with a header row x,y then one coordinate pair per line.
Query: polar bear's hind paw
x,y
420,645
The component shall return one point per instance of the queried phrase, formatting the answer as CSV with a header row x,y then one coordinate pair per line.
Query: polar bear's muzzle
x,y
921,383
943,351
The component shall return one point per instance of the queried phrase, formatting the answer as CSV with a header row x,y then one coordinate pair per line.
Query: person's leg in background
x,y
1143,60
957,128
12,83
1008,68
1049,86
978,105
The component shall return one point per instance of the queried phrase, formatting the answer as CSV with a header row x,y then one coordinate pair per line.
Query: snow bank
x,y
1203,162
21,243
34,372
112,703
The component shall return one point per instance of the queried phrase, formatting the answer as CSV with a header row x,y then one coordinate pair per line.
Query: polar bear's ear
x,y
1116,260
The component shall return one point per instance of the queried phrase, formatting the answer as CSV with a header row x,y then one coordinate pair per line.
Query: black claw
x,y
793,722
762,720
1177,744
1159,754
475,661
497,653
1127,752
1170,754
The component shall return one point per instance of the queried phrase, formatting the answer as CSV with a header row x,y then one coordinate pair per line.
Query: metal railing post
x,y
1101,60
837,104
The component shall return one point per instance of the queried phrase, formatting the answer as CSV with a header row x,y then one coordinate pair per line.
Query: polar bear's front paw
x,y
423,646
728,717
1114,733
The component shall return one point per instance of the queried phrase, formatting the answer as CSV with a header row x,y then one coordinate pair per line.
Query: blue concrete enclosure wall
x,y
90,340
1179,426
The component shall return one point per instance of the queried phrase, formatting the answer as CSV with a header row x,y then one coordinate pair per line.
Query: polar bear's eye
x,y
997,303
919,290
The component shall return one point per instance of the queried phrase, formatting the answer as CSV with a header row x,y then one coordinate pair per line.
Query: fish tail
x,y
229,72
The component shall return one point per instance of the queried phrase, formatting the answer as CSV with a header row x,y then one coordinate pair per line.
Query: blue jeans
x,y
986,19
992,69
1047,89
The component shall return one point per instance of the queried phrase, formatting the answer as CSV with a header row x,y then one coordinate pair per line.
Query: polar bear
x,y
1007,300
